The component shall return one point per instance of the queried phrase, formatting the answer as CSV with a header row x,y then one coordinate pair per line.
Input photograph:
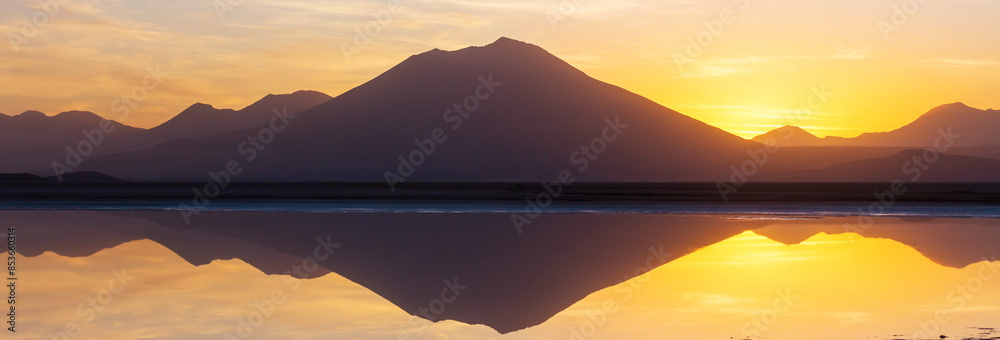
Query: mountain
x,y
911,165
202,120
33,140
976,127
986,151
508,111
791,158
789,136
34,126
73,177
85,177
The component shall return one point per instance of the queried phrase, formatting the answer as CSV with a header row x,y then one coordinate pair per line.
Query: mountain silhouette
x,y
32,141
20,178
789,136
35,140
34,126
73,177
85,177
986,151
533,113
202,120
976,127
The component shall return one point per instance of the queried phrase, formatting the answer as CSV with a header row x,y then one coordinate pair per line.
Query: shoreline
x,y
960,193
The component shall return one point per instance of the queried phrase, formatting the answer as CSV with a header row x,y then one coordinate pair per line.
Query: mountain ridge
x,y
37,140
977,126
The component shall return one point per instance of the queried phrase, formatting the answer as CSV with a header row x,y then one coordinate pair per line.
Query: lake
x,y
575,271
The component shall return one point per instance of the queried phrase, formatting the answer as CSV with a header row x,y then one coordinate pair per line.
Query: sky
x,y
836,68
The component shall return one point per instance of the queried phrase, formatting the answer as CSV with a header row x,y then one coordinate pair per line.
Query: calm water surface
x,y
590,273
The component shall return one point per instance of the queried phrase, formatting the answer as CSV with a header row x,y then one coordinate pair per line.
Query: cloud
x,y
960,63
721,67
845,53
962,66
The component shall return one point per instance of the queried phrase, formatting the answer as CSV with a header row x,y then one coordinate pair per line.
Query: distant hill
x,y
20,178
976,127
987,151
74,177
904,166
86,177
789,136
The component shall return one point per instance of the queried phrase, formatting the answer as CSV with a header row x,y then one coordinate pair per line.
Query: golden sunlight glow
x,y
828,287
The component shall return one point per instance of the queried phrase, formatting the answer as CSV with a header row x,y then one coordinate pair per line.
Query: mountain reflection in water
x,y
566,276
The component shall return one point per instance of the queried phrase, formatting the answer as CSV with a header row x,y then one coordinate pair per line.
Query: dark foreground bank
x,y
963,193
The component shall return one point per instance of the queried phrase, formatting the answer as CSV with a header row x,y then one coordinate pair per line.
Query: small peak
x,y
309,92
789,135
301,96
959,105
787,129
952,108
506,40
196,109
269,99
508,43
503,43
32,114
503,46
76,114
200,106
434,52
